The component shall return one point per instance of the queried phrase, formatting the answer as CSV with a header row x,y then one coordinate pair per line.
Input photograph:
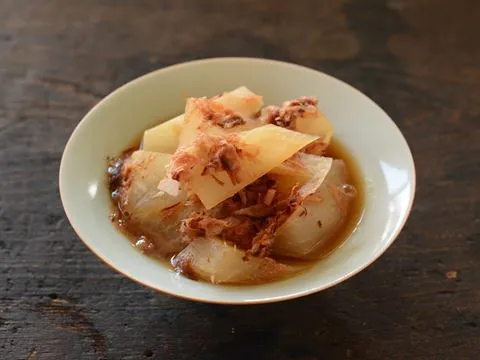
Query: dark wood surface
x,y
419,59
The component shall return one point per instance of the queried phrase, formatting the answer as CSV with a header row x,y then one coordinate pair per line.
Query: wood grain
x,y
420,60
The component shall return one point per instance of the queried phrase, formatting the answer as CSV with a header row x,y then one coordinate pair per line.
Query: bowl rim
x,y
286,297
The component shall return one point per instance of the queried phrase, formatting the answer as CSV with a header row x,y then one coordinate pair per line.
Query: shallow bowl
x,y
115,122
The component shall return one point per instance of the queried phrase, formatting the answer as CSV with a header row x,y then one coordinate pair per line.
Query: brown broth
x,y
336,150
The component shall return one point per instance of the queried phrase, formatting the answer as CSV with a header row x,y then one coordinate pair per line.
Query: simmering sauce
x,y
335,150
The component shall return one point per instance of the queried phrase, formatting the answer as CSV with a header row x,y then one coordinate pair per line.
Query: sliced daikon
x,y
318,219
165,137
301,115
218,262
263,149
161,227
242,100
234,110
319,167
294,192
315,124
305,170
293,166
196,120
157,212
140,194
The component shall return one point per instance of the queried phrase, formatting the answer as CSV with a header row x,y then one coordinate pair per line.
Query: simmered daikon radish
x,y
161,228
218,262
293,166
315,124
165,137
140,196
156,211
199,118
294,193
324,131
242,101
319,167
319,218
232,112
305,170
301,115
242,190
259,150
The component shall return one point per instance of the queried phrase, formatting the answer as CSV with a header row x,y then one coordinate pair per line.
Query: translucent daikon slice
x,y
315,124
293,166
162,227
216,261
242,100
264,148
152,204
165,137
305,170
318,219
143,172
227,114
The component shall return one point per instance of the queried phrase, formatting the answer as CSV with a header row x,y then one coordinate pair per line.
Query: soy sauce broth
x,y
336,150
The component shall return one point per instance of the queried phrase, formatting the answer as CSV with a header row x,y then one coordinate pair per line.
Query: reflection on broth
x,y
233,193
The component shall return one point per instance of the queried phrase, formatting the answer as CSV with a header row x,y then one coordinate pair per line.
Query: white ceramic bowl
x,y
115,122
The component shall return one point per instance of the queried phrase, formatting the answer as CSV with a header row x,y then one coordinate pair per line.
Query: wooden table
x,y
419,59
